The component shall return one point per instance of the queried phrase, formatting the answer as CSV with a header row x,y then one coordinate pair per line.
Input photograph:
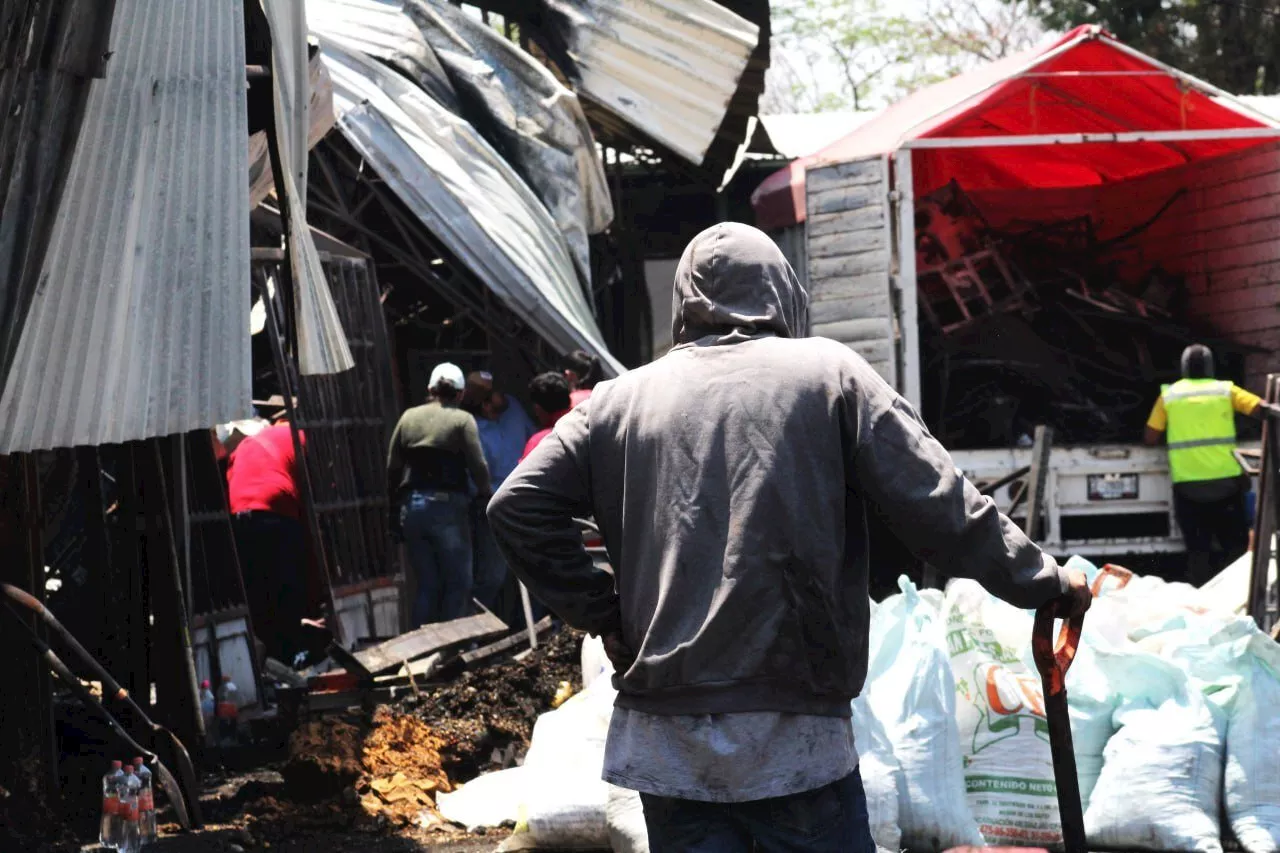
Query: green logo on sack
x,y
1010,785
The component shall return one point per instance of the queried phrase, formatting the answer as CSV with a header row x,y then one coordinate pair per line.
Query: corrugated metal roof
x,y
529,116
139,328
380,28
669,67
467,195
50,50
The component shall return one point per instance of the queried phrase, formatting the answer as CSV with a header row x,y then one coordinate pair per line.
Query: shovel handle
x,y
26,599
109,684
1054,657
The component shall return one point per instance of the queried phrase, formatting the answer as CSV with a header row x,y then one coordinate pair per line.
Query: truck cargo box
x,y
1154,200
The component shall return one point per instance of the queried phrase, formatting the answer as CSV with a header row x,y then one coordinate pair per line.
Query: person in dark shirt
x,y
549,393
583,371
433,449
271,541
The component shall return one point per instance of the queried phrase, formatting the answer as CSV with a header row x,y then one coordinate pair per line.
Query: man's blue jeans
x,y
437,535
831,819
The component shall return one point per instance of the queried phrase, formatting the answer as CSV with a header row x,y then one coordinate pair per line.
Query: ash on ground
x,y
485,717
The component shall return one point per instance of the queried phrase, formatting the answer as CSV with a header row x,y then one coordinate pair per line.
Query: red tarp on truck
x,y
1085,82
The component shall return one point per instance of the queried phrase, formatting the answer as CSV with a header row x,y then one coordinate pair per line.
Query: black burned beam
x,y
428,639
519,638
29,772
173,669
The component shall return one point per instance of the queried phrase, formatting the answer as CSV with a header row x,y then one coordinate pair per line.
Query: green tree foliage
x,y
1234,44
863,54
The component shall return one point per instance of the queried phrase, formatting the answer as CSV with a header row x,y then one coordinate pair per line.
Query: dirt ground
x,y
365,781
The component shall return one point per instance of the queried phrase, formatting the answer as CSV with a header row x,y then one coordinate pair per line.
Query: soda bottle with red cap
x,y
146,803
110,826
130,832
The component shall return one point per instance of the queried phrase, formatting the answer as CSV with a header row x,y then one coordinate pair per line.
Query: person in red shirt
x,y
271,539
549,394
583,371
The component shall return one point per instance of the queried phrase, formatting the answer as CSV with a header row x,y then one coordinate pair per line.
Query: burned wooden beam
x,y
506,643
428,639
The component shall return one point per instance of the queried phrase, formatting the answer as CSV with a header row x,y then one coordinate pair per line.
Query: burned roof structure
x,y
522,110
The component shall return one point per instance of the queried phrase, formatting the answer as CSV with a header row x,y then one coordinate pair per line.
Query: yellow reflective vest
x,y
1202,430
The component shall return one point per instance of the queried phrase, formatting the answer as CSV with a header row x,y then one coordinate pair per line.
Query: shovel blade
x,y
171,790
182,761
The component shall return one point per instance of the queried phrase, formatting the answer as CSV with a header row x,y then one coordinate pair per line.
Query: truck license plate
x,y
1113,487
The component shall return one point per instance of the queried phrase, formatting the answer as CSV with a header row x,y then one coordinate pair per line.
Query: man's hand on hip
x,y
618,652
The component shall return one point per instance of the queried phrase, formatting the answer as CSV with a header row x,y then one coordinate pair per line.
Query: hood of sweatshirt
x,y
734,284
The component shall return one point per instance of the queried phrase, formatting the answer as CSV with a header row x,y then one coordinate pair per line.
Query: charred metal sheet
x,y
534,121
50,50
138,328
670,68
466,195
381,29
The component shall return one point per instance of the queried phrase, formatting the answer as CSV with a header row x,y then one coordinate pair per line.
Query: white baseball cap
x,y
449,374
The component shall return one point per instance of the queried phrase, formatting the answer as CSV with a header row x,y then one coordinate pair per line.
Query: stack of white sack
x,y
1173,712
1195,692
1008,766
910,691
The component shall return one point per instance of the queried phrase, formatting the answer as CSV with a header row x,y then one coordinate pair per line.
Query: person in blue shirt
x,y
505,428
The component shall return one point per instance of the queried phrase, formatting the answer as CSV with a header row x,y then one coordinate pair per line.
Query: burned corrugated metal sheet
x,y
669,67
533,120
381,29
467,195
139,326
50,51
322,344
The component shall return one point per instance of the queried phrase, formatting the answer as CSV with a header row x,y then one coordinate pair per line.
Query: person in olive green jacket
x,y
433,449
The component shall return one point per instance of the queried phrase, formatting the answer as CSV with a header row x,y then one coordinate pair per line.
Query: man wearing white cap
x,y
433,448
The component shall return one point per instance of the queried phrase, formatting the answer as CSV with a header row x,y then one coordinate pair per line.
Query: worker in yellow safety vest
x,y
1196,417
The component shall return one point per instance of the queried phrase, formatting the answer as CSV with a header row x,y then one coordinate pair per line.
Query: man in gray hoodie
x,y
731,480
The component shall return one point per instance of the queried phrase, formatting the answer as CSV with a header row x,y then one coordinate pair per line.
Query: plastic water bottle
x,y
109,828
146,804
131,833
228,711
208,708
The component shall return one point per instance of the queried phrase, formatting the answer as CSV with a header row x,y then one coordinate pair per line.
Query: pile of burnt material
x,y
1037,323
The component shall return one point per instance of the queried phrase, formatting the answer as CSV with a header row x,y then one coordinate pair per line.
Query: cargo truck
x,y
1084,127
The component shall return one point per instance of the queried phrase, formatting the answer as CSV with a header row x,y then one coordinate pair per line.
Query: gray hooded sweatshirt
x,y
731,480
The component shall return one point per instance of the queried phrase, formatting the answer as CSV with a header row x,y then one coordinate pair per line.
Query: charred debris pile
x,y
1040,322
